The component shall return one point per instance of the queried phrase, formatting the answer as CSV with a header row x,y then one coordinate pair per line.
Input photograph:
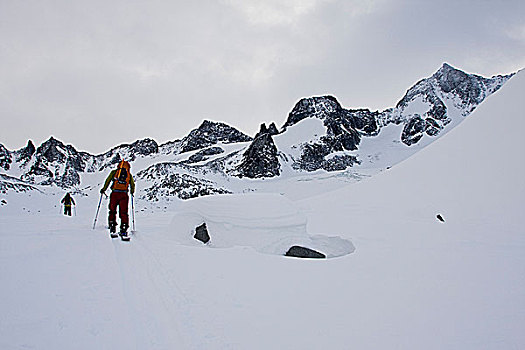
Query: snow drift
x,y
269,223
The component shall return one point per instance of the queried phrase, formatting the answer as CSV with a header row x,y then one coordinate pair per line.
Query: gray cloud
x,y
99,73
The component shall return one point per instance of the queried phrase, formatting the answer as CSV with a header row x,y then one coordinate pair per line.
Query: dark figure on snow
x,y
67,201
121,181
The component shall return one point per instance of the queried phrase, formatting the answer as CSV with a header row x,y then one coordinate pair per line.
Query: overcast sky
x,y
98,73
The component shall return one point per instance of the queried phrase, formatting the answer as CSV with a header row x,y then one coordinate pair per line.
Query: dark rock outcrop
x,y
338,162
413,130
210,133
24,155
52,150
5,158
144,147
9,183
129,152
272,129
338,120
204,154
201,233
261,157
70,177
183,186
302,252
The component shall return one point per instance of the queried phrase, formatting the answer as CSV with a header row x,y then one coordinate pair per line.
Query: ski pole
x,y
132,212
75,209
96,215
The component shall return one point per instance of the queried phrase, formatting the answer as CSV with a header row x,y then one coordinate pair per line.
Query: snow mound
x,y
268,223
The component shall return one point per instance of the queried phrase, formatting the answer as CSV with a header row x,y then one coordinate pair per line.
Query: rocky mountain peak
x,y
470,88
24,154
52,150
464,91
145,147
321,107
210,133
54,163
344,129
272,130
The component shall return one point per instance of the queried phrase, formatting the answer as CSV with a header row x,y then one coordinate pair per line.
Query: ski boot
x,y
124,232
113,229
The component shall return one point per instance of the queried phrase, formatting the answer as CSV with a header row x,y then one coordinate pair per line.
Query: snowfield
x,y
413,282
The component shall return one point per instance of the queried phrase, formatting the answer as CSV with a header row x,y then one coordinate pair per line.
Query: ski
x,y
113,235
125,238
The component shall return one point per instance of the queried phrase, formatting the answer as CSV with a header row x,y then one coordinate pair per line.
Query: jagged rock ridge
x,y
427,108
447,89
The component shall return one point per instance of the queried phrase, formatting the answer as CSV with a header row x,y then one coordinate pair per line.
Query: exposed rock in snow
x,y
203,154
302,252
261,158
8,183
163,182
5,158
201,233
272,129
171,147
24,155
414,130
130,152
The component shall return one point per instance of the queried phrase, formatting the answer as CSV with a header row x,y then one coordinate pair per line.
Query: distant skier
x,y
67,201
122,181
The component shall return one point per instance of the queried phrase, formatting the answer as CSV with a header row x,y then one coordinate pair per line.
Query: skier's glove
x,y
102,191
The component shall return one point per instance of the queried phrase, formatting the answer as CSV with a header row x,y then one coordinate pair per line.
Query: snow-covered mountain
x,y
320,138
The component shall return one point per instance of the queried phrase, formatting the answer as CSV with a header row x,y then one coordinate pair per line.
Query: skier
x,y
67,201
122,180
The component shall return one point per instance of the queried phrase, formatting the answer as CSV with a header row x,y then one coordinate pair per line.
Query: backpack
x,y
122,177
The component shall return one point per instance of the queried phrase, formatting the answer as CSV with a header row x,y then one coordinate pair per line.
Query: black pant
x,y
67,210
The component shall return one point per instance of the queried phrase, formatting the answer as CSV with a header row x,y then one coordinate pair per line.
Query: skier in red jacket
x,y
122,181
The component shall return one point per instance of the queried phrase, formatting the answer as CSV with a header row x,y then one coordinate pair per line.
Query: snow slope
x,y
413,282
427,284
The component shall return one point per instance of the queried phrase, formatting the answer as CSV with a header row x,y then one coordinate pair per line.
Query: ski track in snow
x,y
156,302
